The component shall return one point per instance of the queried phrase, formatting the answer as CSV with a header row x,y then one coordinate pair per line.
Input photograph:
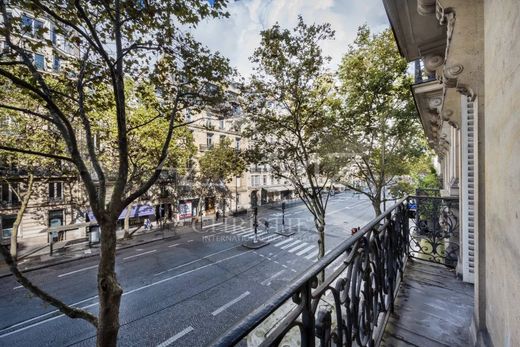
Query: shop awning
x,y
137,211
277,189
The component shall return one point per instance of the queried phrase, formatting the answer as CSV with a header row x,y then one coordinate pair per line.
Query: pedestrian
x,y
147,224
266,224
217,215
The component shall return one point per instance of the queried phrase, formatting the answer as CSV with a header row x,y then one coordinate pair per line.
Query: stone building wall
x,y
502,166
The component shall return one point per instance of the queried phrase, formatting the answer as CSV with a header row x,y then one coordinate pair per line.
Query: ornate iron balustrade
x,y
434,233
349,305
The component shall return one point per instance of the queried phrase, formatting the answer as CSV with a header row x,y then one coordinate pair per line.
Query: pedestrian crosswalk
x,y
305,249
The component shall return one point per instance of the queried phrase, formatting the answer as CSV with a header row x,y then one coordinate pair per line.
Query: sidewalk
x,y
39,257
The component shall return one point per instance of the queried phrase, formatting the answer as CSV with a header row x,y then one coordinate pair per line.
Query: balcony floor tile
x,y
433,308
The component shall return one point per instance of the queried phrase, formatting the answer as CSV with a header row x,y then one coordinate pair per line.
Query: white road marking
x,y
190,241
258,234
174,245
273,237
211,225
176,337
312,255
290,244
246,234
124,294
297,247
183,273
305,250
18,287
140,254
194,261
40,316
293,270
267,281
229,304
80,270
283,242
285,266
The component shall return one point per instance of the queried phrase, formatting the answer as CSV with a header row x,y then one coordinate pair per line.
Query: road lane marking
x,y
211,225
124,294
183,273
297,247
229,304
190,241
176,337
18,287
41,316
76,271
174,245
290,244
313,255
283,242
194,261
267,282
305,250
271,238
140,254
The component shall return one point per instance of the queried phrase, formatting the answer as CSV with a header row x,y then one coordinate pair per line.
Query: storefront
x,y
138,214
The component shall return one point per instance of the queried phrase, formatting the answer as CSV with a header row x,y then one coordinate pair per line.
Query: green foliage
x,y
378,128
221,163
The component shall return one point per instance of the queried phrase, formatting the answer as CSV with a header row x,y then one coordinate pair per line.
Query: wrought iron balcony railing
x,y
345,298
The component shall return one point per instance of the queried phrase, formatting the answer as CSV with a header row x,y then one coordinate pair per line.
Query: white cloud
x,y
237,37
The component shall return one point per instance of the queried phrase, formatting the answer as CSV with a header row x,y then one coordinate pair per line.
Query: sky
x,y
237,36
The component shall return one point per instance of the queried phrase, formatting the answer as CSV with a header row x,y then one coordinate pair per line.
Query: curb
x,y
85,256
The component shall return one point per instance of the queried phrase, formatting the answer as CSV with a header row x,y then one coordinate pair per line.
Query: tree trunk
x,y
320,228
376,204
109,290
19,216
127,234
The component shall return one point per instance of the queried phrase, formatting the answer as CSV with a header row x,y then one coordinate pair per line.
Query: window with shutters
x,y
9,194
55,191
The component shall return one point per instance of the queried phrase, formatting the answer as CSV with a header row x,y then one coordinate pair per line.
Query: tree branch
x,y
67,310
26,151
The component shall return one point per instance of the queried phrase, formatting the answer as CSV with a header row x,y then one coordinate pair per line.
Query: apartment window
x,y
55,218
7,226
54,36
39,61
222,138
56,63
222,124
55,190
238,181
209,140
208,122
27,24
265,180
255,180
237,143
9,195
38,29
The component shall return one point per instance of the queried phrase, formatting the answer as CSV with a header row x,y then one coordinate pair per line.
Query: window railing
x,y
345,297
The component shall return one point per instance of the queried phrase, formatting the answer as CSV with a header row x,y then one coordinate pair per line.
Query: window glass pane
x,y
39,61
56,64
27,24
38,25
7,225
55,218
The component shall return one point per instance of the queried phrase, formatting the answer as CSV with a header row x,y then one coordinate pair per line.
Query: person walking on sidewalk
x,y
217,215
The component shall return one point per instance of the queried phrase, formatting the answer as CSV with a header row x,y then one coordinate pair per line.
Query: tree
x,y
23,169
217,166
108,43
378,131
288,109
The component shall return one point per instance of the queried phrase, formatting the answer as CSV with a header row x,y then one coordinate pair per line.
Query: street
x,y
183,292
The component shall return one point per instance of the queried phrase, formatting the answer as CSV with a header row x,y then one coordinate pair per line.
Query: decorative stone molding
x,y
434,103
432,62
426,7
467,91
446,115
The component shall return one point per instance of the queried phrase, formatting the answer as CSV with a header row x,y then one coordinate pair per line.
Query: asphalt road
x,y
184,292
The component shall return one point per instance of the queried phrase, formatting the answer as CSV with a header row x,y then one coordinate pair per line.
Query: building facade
x,y
465,54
